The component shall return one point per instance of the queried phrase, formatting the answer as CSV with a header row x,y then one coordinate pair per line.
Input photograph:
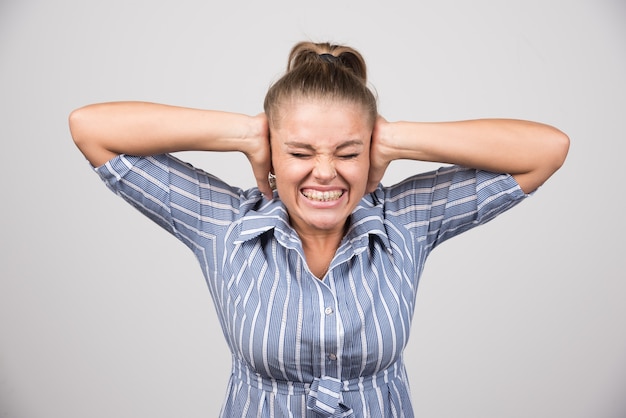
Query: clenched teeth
x,y
322,196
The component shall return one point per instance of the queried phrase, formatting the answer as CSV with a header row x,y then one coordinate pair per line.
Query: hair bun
x,y
311,53
321,71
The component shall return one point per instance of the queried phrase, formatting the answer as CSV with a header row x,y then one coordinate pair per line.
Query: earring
x,y
271,179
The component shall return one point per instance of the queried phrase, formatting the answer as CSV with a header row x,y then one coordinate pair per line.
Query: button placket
x,y
330,311
332,339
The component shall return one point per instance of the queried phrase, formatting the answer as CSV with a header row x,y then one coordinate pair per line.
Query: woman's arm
x,y
529,151
102,131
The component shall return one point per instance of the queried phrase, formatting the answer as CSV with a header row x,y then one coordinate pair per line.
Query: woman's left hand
x,y
380,156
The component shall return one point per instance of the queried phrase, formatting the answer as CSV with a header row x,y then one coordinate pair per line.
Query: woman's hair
x,y
322,71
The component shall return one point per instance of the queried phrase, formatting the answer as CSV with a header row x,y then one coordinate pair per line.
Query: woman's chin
x,y
321,222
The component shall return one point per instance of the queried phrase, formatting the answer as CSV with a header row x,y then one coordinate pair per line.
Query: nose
x,y
324,170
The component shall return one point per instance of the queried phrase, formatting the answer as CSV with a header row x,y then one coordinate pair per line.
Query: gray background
x,y
102,314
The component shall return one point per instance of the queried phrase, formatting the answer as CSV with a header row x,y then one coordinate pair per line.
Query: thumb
x,y
261,174
375,176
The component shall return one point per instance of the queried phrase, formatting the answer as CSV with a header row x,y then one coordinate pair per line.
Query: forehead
x,y
310,120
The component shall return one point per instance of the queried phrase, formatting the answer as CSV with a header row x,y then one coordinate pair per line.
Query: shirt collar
x,y
366,220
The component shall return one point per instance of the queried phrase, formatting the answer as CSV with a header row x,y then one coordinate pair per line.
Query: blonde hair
x,y
322,71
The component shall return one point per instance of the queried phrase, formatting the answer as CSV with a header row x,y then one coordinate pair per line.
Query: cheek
x,y
289,171
287,166
360,172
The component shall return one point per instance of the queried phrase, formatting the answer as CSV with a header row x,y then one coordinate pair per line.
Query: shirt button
x,y
332,357
329,311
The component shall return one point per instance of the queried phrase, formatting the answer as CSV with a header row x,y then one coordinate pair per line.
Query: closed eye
x,y
348,156
299,155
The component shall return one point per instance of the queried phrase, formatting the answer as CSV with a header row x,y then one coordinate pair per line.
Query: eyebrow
x,y
296,144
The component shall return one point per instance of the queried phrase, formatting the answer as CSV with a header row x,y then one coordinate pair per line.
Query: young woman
x,y
314,273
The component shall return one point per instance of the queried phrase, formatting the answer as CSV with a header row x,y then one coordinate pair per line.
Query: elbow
x,y
84,131
77,123
559,147
555,149
549,158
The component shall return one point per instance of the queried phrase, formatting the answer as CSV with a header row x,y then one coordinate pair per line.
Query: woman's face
x,y
320,155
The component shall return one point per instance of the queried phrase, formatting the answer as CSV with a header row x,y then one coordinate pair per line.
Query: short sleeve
x,y
438,205
184,200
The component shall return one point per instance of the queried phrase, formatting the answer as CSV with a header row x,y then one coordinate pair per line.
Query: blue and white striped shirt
x,y
304,347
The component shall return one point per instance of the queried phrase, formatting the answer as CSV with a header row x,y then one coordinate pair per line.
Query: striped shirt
x,y
304,347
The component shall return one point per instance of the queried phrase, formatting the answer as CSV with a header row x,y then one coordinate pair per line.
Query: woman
x,y
315,282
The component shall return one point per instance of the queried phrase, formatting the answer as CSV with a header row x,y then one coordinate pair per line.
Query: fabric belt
x,y
323,394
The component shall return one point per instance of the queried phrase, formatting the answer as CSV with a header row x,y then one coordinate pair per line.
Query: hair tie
x,y
329,58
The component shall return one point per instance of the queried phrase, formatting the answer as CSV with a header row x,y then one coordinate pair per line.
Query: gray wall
x,y
104,315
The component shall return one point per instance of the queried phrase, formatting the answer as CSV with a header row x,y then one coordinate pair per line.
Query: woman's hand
x,y
380,153
258,152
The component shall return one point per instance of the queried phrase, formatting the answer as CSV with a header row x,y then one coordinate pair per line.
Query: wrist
x,y
406,141
256,135
388,137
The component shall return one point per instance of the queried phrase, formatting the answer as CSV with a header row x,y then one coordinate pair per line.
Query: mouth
x,y
322,196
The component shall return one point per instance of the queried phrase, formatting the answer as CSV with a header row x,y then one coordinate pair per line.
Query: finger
x,y
264,187
375,176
